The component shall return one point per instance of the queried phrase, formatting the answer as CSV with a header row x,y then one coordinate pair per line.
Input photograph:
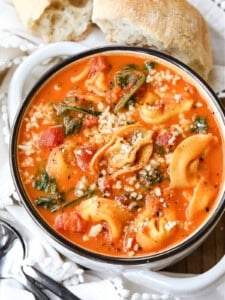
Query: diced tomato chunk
x,y
70,221
164,138
84,155
90,121
52,137
98,64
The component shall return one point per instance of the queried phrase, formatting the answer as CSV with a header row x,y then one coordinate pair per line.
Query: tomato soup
x,y
121,155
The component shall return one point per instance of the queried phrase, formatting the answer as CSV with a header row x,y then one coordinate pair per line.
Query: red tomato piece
x,y
98,64
69,221
165,138
84,155
90,121
52,137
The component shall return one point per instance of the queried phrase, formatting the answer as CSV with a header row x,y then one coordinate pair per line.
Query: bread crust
x,y
174,26
55,20
29,11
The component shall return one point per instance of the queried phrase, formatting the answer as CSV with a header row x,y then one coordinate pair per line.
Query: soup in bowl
x,y
118,154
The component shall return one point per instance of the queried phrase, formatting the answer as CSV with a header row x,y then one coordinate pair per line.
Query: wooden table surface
x,y
207,255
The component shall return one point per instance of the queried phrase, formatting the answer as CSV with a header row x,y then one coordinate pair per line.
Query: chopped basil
x,y
200,125
71,125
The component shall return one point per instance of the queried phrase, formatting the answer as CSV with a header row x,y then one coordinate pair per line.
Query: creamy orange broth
x,y
149,212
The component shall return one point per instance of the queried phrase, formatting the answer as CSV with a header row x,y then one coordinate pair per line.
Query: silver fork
x,y
11,255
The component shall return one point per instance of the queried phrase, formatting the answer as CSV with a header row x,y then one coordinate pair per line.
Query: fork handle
x,y
48,283
23,279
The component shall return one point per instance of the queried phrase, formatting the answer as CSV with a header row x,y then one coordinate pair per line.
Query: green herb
x,y
52,186
43,182
130,102
200,125
71,125
50,202
149,65
130,67
88,194
160,149
122,79
154,177
61,109
135,80
47,184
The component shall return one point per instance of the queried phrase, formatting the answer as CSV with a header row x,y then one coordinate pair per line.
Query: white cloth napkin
x,y
15,46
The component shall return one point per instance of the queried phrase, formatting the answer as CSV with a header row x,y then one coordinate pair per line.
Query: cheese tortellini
x,y
150,231
59,164
129,150
97,84
201,198
185,160
101,209
154,112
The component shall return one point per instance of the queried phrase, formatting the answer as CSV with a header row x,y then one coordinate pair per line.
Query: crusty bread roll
x,y
174,26
55,20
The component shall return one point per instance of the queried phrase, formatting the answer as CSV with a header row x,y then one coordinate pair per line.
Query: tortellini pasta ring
x,y
153,230
153,115
127,151
143,154
97,84
184,163
99,209
201,198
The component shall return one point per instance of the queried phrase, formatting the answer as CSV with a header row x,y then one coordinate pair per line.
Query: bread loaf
x,y
173,26
55,20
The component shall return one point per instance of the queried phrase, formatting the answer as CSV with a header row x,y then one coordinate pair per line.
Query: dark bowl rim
x,y
152,258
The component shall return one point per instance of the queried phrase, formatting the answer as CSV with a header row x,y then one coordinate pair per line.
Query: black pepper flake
x,y
207,209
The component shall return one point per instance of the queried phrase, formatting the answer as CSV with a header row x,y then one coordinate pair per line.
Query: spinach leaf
x,y
122,79
41,181
50,202
135,80
150,65
160,149
200,125
88,194
71,125
130,67
61,109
